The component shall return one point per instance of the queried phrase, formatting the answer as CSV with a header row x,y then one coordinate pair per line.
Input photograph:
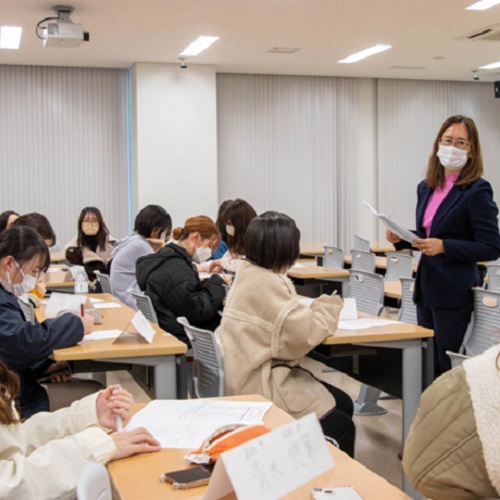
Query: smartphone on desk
x,y
188,478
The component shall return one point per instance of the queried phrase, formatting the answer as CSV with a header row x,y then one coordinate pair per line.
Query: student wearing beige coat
x,y
265,331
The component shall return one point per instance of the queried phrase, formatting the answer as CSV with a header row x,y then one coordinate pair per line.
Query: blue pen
x,y
119,423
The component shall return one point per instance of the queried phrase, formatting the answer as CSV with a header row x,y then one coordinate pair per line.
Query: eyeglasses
x,y
459,143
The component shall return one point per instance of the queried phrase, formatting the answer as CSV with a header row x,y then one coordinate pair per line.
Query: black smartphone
x,y
188,478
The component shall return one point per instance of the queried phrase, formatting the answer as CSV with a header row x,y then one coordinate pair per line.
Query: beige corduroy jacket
x,y
264,333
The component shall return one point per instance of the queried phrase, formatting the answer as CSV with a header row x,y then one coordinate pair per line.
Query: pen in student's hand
x,y
119,422
82,310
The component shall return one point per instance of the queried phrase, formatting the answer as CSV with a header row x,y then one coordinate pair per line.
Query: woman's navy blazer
x,y
467,223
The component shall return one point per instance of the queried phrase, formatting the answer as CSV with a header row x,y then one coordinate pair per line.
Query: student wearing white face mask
x,y
457,226
24,347
171,280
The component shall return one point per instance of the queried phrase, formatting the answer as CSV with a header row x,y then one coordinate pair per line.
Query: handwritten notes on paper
x,y
272,465
186,423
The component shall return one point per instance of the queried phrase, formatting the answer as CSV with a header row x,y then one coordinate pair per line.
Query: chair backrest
x,y
493,275
208,373
368,290
362,261
399,265
486,327
105,282
333,257
361,244
28,310
145,305
93,483
408,310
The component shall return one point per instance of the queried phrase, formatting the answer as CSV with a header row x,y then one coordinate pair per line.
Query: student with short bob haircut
x,y
265,331
40,224
152,228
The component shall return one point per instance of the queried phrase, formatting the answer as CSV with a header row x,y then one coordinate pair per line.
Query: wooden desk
x,y
317,250
58,256
392,289
414,369
161,353
138,477
58,278
315,274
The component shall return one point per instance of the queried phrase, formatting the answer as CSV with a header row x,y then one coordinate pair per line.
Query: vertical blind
x,y
290,144
63,144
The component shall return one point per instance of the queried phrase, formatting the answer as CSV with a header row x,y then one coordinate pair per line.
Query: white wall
x,y
174,139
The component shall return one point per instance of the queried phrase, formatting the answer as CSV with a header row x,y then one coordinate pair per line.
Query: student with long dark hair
x,y
25,346
92,245
265,331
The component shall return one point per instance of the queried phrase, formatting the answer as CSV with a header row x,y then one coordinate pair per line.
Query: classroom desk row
x,y
317,249
407,376
148,467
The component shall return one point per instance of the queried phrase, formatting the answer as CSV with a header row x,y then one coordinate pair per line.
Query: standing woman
x,y
171,280
92,246
457,227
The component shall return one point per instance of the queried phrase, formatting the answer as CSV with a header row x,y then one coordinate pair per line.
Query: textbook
x,y
393,226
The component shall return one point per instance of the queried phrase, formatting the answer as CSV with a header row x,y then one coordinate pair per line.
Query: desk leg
x,y
166,378
412,388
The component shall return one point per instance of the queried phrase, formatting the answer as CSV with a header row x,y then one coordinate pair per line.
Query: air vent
x,y
489,33
283,50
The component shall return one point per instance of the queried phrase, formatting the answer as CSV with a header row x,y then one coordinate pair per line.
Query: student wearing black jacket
x,y
170,279
25,347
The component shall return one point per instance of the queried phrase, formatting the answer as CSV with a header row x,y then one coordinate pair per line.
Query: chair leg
x,y
366,404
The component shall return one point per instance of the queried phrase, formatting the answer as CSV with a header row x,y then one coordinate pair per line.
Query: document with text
x,y
392,225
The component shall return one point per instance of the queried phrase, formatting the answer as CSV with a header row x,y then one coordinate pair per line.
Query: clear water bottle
x,y
81,282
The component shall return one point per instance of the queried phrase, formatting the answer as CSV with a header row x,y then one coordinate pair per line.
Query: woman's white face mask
x,y
203,254
18,289
452,158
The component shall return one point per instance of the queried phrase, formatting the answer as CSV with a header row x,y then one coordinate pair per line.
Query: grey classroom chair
x,y
368,290
362,261
361,244
105,282
144,305
208,370
399,265
93,483
333,257
486,324
28,310
408,310
493,275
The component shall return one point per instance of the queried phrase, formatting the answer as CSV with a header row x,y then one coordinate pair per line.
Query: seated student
x,y
43,457
7,218
25,346
221,226
236,218
171,280
265,331
152,228
453,448
92,245
42,226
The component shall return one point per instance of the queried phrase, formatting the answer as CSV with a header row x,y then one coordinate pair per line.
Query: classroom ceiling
x,y
428,37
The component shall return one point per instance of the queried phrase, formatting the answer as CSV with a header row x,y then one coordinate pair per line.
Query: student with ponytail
x,y
171,280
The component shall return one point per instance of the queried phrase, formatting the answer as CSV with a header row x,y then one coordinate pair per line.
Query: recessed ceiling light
x,y
365,53
10,37
483,5
199,45
491,66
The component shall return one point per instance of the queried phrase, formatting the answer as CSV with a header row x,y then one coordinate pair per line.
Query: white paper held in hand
x,y
392,225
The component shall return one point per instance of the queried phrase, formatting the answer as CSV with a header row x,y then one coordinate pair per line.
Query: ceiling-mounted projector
x,y
62,32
